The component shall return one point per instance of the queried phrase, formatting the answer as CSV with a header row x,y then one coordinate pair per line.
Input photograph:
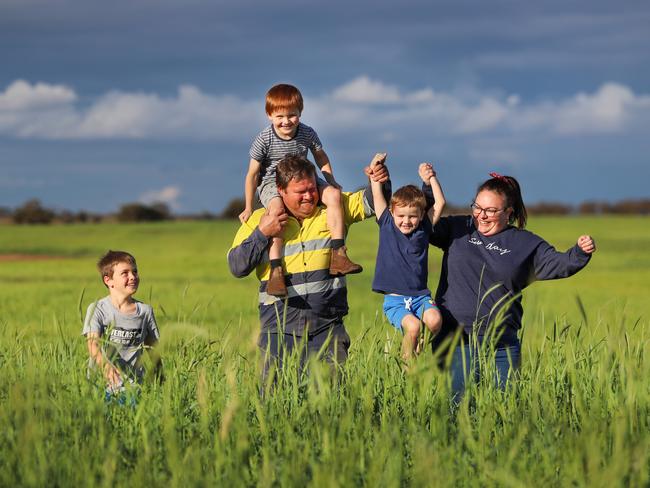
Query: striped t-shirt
x,y
269,149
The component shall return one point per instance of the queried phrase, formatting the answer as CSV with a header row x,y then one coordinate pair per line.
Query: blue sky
x,y
102,104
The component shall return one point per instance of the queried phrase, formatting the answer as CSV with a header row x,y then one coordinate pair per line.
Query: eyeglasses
x,y
489,212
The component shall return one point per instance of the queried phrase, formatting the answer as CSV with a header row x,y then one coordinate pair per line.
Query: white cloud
x,y
606,110
168,195
484,116
363,105
21,95
50,112
365,90
612,108
192,114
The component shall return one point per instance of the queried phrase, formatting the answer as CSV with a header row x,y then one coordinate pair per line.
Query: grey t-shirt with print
x,y
122,335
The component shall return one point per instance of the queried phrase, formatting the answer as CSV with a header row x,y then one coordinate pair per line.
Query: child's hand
x,y
426,172
245,215
379,174
112,375
587,244
376,170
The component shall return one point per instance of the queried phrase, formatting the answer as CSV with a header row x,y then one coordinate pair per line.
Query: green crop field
x,y
578,416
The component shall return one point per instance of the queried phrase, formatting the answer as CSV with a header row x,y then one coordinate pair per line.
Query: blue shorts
x,y
396,307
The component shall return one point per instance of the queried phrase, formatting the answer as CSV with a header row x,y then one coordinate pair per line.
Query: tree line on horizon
x,y
34,212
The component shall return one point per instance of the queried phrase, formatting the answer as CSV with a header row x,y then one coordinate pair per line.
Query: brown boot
x,y
275,285
340,263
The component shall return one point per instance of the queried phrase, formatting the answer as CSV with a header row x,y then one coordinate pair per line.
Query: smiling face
x,y
494,203
285,122
300,197
406,217
125,279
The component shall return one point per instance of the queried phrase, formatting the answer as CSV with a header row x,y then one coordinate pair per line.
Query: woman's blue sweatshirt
x,y
481,278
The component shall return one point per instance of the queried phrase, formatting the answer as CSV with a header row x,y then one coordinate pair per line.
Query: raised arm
x,y
323,163
430,178
379,200
551,264
250,185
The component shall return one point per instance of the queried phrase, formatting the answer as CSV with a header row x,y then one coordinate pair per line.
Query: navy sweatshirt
x,y
482,278
402,260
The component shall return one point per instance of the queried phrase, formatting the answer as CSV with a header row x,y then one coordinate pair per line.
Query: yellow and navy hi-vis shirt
x,y
316,300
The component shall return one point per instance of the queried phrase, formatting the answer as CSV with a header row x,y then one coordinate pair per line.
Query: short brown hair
x,y
408,196
282,97
107,262
291,167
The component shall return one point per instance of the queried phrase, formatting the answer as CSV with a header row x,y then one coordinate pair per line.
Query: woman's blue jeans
x,y
470,364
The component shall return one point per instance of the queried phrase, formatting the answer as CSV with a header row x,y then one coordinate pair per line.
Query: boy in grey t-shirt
x,y
118,327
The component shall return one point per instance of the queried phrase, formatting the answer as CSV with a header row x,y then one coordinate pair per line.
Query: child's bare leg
x,y
432,320
331,197
276,207
276,285
411,328
340,264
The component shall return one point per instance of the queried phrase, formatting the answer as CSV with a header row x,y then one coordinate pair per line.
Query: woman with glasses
x,y
488,260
